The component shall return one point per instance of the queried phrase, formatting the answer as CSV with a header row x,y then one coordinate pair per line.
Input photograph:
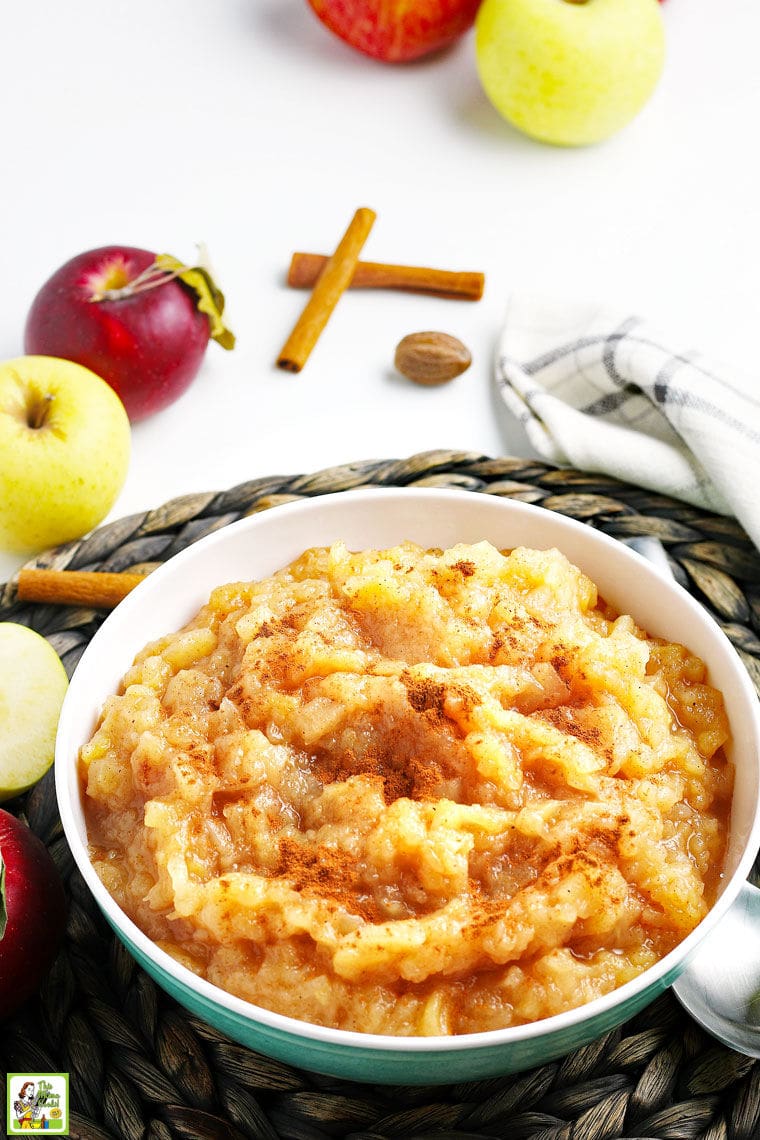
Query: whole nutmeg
x,y
431,358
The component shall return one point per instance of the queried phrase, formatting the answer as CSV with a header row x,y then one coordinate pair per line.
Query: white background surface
x,y
246,125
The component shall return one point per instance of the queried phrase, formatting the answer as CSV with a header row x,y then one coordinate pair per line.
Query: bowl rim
x,y
656,977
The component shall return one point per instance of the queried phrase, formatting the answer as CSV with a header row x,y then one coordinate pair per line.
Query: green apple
x,y
65,443
33,683
569,72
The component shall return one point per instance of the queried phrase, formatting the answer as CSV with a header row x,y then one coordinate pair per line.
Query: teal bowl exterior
x,y
409,1062
377,517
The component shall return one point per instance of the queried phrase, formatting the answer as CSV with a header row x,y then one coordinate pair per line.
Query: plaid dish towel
x,y
605,392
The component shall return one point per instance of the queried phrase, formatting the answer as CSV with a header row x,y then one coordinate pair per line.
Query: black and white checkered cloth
x,y
603,392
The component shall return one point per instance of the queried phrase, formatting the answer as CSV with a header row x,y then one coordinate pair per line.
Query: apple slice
x,y
33,683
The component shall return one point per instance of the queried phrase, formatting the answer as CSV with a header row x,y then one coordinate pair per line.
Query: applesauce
x,y
412,791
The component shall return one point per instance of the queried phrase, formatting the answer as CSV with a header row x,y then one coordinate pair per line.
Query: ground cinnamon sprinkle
x,y
439,702
326,872
425,695
465,568
402,774
417,779
563,719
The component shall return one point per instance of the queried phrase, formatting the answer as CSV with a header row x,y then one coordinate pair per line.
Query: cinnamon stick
x,y
329,288
95,588
466,286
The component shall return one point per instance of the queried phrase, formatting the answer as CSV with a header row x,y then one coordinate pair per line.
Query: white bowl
x,y
377,517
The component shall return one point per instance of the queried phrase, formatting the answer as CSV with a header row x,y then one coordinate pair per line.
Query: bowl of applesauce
x,y
411,785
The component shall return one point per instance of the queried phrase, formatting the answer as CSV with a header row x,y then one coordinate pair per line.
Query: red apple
x,y
32,912
397,30
124,315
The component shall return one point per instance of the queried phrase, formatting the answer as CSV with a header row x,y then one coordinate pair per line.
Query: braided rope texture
x,y
141,1068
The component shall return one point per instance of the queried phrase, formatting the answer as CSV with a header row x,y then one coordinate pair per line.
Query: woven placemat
x,y
141,1068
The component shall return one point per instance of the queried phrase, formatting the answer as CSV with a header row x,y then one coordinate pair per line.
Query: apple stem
x,y
38,411
150,278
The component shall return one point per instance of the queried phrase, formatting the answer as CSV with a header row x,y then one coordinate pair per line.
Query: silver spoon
x,y
720,987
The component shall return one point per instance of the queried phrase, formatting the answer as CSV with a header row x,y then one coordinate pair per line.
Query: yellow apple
x,y
569,72
65,444
33,683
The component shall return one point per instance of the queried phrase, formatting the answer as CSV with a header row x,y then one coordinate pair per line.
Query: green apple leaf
x,y
3,907
210,296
